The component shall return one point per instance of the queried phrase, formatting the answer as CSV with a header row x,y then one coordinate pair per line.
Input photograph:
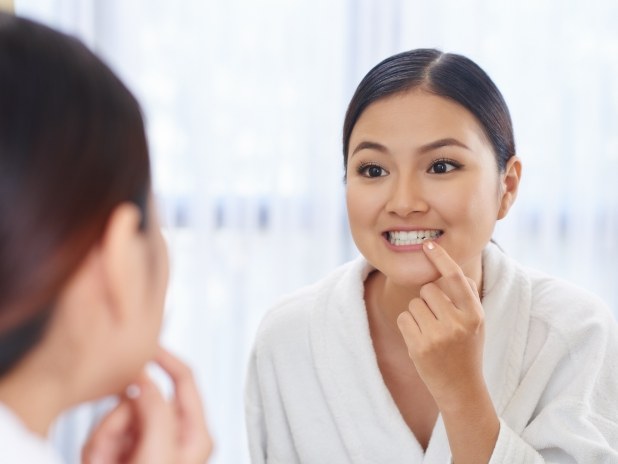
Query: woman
x,y
434,345
83,265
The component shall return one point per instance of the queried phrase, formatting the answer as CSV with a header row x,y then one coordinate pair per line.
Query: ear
x,y
101,284
120,258
509,185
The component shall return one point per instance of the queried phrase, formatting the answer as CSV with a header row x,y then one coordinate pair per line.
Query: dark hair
x,y
72,148
444,74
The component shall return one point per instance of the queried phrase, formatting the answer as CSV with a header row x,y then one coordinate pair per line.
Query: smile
x,y
411,237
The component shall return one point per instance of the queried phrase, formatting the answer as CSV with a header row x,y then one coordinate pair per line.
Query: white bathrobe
x,y
315,395
18,445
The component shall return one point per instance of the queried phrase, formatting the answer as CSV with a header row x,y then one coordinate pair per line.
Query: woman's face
x,y
126,281
420,167
158,264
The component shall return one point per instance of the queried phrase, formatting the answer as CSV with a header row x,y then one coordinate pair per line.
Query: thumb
x,y
155,425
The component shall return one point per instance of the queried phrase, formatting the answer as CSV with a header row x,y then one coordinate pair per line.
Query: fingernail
x,y
430,245
133,391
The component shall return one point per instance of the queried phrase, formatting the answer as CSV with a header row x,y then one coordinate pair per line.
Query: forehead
x,y
420,117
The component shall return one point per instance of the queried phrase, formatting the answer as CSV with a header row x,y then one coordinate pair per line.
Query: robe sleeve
x,y
564,410
254,415
270,437
512,449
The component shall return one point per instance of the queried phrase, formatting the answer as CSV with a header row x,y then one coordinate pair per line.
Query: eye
x,y
371,170
442,166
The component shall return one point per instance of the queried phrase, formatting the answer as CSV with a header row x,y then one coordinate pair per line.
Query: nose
x,y
406,197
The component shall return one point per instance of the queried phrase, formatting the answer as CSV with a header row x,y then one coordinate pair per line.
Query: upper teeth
x,y
412,237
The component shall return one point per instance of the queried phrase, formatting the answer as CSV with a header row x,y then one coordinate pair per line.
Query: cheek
x,y
485,203
476,213
363,203
452,203
476,202
160,272
351,207
360,210
156,279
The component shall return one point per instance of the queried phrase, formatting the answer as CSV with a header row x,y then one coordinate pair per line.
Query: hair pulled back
x,y
444,74
72,148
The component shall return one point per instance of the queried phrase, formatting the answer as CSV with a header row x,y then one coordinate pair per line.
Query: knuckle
x,y
453,274
426,290
404,319
473,323
413,349
477,317
479,322
459,332
474,288
432,344
415,304
184,372
423,350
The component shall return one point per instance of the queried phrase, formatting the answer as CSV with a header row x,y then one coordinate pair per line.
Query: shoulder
x,y
290,316
559,303
565,305
551,305
20,445
567,315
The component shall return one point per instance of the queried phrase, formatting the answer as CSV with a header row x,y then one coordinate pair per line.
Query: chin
x,y
411,271
409,275
414,279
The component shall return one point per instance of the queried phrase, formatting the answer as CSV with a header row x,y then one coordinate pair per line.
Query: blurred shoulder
x,y
567,307
292,312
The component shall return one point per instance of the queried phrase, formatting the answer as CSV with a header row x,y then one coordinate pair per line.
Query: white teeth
x,y
412,237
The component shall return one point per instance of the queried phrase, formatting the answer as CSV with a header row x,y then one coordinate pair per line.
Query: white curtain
x,y
244,103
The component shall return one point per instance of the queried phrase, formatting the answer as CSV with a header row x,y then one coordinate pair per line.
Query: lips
x,y
411,237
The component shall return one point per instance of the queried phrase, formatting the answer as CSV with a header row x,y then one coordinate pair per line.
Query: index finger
x,y
188,402
458,288
187,396
177,370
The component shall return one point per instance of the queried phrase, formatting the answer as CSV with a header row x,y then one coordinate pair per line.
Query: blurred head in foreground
x,y
83,265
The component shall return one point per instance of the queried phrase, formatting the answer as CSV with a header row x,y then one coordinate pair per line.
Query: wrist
x,y
472,425
465,399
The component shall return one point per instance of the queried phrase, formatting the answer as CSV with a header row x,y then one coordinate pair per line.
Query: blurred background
x,y
244,102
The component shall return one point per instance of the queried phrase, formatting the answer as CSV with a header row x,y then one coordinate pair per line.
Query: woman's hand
x,y
444,331
144,428
444,334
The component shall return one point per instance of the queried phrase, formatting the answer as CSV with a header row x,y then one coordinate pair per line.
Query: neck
x,y
386,300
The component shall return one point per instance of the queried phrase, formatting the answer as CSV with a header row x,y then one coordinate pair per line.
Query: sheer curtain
x,y
244,102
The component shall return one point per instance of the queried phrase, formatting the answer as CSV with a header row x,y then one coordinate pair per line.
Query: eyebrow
x,y
367,145
446,142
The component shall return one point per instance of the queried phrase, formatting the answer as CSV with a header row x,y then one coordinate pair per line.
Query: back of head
x,y
444,74
72,147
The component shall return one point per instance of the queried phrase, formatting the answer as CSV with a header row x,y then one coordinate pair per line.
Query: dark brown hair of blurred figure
x,y
72,148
